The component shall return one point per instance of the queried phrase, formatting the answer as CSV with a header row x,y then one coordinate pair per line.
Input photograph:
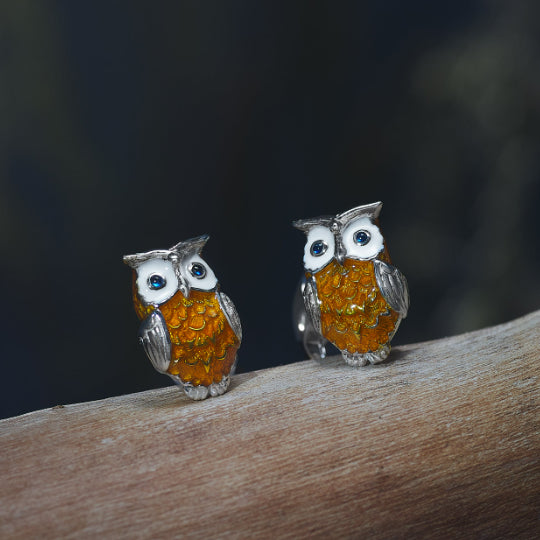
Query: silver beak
x,y
340,251
183,285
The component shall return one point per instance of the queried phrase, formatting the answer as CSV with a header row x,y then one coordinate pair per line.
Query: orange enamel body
x,y
203,343
354,315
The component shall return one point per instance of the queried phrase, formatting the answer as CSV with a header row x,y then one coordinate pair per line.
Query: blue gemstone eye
x,y
362,237
198,270
318,248
156,282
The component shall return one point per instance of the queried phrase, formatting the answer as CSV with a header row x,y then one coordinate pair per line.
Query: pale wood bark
x,y
441,441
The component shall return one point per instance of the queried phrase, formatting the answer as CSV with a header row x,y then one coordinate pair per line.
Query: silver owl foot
x,y
358,360
197,393
217,389
200,392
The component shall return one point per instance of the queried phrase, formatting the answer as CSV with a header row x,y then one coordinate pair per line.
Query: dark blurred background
x,y
128,126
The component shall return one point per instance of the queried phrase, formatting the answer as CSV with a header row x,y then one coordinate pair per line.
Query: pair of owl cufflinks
x,y
351,296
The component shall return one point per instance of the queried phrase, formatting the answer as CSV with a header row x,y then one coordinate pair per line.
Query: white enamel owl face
x,y
320,248
156,281
351,235
161,273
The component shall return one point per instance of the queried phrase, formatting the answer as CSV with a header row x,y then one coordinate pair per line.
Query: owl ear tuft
x,y
130,260
191,246
138,258
370,211
305,225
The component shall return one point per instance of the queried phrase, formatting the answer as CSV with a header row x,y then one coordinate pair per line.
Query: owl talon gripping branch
x,y
189,330
353,296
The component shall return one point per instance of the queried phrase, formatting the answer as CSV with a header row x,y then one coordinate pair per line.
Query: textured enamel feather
x,y
203,343
355,317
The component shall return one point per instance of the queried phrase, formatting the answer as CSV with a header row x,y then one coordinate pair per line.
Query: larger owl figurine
x,y
353,296
190,330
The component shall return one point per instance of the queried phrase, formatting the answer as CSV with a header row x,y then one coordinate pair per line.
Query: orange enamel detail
x,y
354,315
203,343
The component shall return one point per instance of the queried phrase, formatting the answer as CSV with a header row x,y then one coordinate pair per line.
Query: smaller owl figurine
x,y
352,295
190,330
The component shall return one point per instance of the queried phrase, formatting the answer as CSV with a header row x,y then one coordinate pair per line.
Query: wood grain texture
x,y
440,441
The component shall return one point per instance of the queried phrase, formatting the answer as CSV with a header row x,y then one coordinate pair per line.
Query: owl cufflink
x,y
352,295
190,330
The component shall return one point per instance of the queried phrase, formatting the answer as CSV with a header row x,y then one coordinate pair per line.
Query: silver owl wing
x,y
312,303
154,337
229,309
393,286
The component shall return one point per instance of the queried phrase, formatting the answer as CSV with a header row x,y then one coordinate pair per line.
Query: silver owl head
x,y
352,234
163,272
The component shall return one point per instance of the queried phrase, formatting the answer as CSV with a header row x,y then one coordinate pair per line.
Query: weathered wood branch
x,y
441,441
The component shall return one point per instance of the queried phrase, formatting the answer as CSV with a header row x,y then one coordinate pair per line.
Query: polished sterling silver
x,y
306,330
